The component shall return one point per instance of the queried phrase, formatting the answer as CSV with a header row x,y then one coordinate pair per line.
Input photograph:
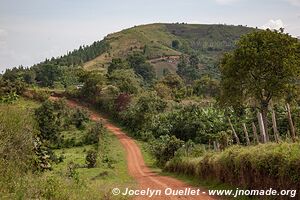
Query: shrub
x,y
91,159
38,95
93,135
164,148
79,117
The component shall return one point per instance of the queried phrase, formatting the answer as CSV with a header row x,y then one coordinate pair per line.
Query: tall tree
x,y
264,66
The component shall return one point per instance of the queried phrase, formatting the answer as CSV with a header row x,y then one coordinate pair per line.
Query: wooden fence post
x,y
255,133
246,134
261,127
274,125
233,131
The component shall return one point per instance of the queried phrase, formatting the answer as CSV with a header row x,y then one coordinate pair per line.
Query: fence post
x,y
255,133
246,134
234,133
261,127
275,130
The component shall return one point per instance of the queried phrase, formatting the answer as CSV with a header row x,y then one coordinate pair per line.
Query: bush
x,y
93,135
91,159
79,117
38,95
164,148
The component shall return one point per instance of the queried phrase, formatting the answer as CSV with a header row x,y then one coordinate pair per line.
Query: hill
x,y
162,44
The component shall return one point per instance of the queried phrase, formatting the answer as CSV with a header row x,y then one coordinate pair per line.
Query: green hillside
x,y
155,41
161,44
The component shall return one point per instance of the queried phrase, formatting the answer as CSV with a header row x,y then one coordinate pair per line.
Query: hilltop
x,y
161,44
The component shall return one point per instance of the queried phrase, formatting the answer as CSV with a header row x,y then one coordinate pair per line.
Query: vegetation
x,y
266,165
196,122
34,166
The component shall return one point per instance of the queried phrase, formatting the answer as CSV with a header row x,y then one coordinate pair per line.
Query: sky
x,y
32,30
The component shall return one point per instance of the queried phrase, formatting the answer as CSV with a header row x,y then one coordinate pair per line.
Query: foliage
x,y
37,94
188,68
91,159
93,136
79,117
92,84
47,74
138,63
9,98
142,109
48,121
11,87
263,67
164,148
175,44
190,122
206,86
126,80
117,63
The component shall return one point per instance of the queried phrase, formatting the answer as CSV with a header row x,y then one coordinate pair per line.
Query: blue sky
x,y
32,30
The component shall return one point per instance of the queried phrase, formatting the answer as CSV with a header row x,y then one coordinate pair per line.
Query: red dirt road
x,y
139,171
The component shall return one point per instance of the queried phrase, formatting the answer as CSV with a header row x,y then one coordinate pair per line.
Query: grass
x,y
116,171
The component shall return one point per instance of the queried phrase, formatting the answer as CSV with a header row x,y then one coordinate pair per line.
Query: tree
x,y
188,68
93,84
175,44
29,76
172,81
126,80
47,74
264,66
137,62
164,148
48,121
194,61
206,86
146,71
117,63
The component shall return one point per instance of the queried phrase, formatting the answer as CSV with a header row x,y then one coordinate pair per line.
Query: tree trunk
x,y
275,130
261,127
233,131
292,128
246,134
255,133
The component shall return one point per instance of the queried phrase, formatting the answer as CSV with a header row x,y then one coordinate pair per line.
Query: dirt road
x,y
141,173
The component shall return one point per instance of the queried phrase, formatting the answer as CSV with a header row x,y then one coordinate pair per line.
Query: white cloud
x,y
294,2
273,24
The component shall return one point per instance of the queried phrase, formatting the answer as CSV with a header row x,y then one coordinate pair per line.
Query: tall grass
x,y
263,166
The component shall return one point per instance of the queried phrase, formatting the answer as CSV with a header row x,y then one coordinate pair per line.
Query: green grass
x,y
106,175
